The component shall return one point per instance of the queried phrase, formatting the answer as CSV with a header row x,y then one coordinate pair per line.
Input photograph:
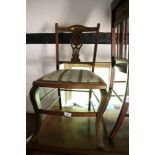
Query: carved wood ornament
x,y
76,43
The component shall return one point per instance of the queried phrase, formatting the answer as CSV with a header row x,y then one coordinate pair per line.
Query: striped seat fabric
x,y
72,77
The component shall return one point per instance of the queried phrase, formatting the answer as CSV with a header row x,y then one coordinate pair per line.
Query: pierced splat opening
x,y
76,43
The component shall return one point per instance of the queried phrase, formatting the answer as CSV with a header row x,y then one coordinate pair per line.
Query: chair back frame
x,y
76,42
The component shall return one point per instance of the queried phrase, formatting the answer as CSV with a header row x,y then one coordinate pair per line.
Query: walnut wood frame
x,y
34,92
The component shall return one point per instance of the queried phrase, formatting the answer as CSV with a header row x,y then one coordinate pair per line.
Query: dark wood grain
x,y
78,135
71,151
120,11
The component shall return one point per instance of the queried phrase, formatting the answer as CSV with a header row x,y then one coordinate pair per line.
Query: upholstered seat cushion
x,y
71,78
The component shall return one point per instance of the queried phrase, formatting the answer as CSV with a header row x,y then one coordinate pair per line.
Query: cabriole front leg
x,y
35,99
102,108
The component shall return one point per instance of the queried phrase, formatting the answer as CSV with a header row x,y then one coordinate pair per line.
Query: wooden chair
x,y
71,79
120,56
125,103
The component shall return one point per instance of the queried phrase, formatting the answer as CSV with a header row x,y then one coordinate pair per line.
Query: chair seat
x,y
71,78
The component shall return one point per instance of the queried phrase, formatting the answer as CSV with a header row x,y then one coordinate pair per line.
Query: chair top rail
x,y
79,28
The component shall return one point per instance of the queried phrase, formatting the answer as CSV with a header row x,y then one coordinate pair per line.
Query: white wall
x,y
41,15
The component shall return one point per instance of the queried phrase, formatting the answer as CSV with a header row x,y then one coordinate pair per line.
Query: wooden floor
x,y
30,124
63,135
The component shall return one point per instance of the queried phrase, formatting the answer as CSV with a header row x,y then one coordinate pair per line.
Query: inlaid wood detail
x,y
76,43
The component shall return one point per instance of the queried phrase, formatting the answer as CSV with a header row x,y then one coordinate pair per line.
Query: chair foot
x,y
100,147
35,99
102,108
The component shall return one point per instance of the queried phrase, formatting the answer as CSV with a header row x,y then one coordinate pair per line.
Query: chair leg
x,y
119,121
89,103
59,94
34,96
104,102
112,77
